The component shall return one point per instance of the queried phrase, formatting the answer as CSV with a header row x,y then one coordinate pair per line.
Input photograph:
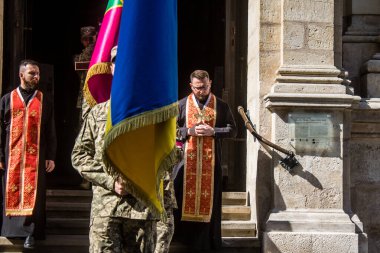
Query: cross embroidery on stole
x,y
198,183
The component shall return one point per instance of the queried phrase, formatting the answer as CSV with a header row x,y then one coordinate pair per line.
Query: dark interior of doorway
x,y
52,38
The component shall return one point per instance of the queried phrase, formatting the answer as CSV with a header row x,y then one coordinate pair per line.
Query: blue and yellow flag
x,y
140,135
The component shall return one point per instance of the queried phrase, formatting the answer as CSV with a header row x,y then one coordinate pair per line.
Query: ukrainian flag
x,y
140,135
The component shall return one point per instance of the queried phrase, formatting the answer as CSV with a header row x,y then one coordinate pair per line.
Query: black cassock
x,y
20,226
204,235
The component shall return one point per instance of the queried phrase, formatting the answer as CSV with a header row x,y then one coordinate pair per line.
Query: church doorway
x,y
51,35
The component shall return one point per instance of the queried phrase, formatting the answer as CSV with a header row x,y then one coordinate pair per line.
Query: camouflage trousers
x,y
165,231
120,235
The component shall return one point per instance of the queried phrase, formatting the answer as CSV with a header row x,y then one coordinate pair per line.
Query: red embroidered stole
x,y
198,183
24,143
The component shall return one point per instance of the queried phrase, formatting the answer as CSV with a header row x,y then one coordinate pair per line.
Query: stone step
x,y
238,229
67,226
241,244
234,198
72,196
80,244
82,210
80,226
66,206
238,213
68,209
229,246
53,243
56,195
68,213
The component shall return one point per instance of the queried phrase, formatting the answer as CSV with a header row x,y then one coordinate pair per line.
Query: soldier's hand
x,y
2,166
120,186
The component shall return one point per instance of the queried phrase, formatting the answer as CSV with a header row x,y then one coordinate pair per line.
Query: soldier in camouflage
x,y
165,229
119,222
88,38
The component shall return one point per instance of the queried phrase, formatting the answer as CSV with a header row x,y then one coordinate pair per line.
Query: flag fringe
x,y
166,165
96,69
141,120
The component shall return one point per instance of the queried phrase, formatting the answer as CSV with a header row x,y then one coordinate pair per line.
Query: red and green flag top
x,y
98,82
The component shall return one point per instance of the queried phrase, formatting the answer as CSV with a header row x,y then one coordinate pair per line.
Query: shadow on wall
x,y
264,197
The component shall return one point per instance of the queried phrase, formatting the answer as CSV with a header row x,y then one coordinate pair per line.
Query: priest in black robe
x,y
27,153
204,121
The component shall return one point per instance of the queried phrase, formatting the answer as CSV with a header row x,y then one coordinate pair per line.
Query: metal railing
x,y
289,162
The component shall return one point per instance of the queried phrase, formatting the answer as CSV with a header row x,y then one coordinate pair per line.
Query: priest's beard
x,y
30,85
202,98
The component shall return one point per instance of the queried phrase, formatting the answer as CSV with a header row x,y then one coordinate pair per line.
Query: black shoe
x,y
29,242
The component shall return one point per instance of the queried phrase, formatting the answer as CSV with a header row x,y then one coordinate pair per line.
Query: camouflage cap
x,y
87,31
113,53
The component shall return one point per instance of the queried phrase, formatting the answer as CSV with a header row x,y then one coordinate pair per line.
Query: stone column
x,y
371,77
309,106
365,7
361,40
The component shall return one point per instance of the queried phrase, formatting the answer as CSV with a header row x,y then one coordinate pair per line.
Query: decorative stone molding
x,y
310,220
310,86
273,100
309,74
366,120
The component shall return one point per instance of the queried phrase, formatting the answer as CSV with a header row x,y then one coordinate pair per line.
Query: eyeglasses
x,y
34,73
201,88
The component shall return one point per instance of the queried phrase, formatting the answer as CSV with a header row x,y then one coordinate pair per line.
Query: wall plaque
x,y
310,131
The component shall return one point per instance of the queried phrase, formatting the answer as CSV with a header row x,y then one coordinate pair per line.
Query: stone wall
x,y
263,60
361,58
365,169
293,67
299,62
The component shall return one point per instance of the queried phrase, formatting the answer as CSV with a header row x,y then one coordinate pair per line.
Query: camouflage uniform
x,y
118,223
165,229
81,102
84,56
